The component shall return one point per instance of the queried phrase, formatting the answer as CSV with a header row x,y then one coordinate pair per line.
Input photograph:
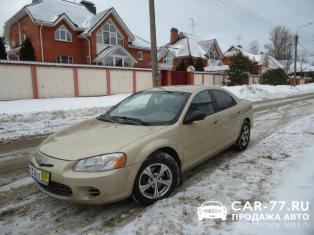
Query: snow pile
x,y
258,92
250,176
25,118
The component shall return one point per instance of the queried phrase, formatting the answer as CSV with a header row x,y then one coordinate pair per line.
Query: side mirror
x,y
194,116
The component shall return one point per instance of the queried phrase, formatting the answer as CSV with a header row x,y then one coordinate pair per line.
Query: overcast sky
x,y
213,18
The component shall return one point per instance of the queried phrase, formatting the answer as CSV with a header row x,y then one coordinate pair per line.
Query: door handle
x,y
239,112
215,122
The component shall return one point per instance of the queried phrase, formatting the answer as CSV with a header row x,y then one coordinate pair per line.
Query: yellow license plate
x,y
39,175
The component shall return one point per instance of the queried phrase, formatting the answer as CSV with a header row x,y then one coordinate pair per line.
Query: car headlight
x,y
100,163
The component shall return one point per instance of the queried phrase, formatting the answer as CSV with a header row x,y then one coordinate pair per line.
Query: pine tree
x,y
27,51
190,61
199,65
275,77
181,66
239,69
3,54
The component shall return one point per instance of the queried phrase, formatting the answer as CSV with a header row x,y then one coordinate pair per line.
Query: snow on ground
x,y
267,92
26,118
58,104
231,175
252,176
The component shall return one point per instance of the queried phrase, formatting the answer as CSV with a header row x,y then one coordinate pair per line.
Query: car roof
x,y
183,88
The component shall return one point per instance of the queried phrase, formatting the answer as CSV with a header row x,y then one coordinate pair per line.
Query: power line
x,y
248,12
238,13
306,50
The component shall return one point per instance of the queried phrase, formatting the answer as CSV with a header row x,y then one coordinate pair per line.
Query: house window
x,y
63,34
109,35
140,55
212,55
119,59
65,59
168,59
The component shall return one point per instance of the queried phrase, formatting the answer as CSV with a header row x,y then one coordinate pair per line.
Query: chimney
x,y
36,1
239,46
174,35
89,5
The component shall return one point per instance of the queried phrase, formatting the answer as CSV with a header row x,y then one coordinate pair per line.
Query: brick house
x,y
183,46
260,62
68,32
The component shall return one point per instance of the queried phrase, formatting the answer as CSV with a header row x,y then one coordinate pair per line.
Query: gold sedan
x,y
142,146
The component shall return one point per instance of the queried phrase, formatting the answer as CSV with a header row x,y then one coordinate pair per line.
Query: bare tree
x,y
254,47
281,43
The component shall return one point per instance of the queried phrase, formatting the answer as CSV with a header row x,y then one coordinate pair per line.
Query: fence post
x,y
169,78
203,79
75,79
223,79
34,82
134,80
190,78
108,81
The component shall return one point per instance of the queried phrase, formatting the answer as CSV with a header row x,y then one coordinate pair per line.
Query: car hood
x,y
93,137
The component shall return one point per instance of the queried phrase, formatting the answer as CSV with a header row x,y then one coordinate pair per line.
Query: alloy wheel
x,y
155,181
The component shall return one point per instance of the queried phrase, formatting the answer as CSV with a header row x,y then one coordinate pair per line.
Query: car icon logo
x,y
212,210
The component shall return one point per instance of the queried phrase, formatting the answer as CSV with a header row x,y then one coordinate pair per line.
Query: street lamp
x,y
296,39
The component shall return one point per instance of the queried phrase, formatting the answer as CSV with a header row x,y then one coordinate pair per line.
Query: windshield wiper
x,y
130,120
105,118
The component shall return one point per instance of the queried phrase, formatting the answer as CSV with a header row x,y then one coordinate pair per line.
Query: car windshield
x,y
148,108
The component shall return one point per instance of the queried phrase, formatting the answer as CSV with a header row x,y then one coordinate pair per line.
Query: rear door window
x,y
223,100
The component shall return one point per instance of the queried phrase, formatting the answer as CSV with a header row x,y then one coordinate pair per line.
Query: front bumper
x,y
84,187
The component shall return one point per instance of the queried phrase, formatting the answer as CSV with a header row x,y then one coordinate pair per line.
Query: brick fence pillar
x,y
190,79
75,79
169,78
108,82
34,82
134,80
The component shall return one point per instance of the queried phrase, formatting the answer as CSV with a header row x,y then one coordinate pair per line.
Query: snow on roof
x,y
273,63
207,44
49,11
92,20
218,68
233,50
109,50
78,16
187,45
140,43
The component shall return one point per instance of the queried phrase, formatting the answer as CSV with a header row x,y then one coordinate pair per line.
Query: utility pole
x,y
296,38
153,43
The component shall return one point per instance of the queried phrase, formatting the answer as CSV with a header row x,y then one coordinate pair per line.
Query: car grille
x,y
57,189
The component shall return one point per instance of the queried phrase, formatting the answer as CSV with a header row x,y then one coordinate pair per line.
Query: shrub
x,y
275,77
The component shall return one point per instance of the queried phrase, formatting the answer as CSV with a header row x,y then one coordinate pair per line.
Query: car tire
x,y
157,178
244,137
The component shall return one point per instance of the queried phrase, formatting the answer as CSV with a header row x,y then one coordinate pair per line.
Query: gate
x,y
179,78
